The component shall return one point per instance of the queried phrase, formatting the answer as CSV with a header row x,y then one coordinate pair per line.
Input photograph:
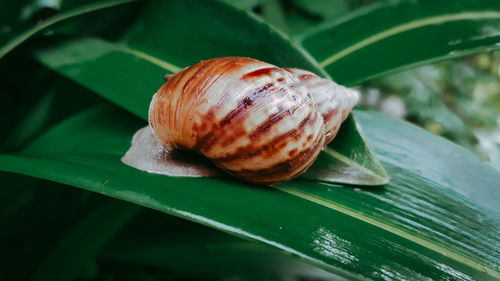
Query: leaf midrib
x,y
406,27
382,179
154,60
424,242
431,245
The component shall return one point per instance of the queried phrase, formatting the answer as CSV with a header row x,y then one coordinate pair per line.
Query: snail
x,y
256,121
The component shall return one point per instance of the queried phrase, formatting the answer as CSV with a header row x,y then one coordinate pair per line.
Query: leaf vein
x,y
406,27
392,229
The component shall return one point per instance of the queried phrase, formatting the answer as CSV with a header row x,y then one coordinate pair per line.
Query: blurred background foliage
x,y
296,16
458,99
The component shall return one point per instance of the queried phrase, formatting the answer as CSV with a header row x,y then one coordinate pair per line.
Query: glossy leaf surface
x,y
410,227
348,158
132,77
399,34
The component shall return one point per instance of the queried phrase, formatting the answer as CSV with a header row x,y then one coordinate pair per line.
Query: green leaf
x,y
10,41
437,219
348,160
132,77
125,76
401,35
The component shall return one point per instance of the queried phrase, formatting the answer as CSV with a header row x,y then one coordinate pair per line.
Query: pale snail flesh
x,y
256,121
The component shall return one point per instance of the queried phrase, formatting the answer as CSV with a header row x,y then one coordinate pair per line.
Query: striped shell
x,y
254,120
334,101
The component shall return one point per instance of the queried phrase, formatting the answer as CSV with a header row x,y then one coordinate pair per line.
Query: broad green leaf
x,y
391,35
16,37
348,160
132,77
125,76
436,219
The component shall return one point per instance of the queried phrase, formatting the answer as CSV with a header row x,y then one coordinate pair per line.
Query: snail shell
x,y
334,101
256,121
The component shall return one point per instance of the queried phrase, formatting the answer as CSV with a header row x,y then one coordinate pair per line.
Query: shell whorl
x,y
252,119
334,101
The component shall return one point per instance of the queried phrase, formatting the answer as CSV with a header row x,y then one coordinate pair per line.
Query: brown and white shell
x,y
258,122
334,101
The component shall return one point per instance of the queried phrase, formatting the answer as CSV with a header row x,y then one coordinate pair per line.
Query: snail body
x,y
256,121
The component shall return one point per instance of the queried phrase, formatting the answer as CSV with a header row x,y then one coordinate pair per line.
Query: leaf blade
x,y
407,27
359,248
435,32
348,160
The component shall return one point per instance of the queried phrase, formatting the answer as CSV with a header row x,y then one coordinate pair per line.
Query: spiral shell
x,y
254,120
334,101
